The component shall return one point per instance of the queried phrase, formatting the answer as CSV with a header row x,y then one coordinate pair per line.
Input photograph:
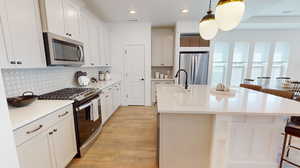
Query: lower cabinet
x,y
116,96
63,142
106,104
52,147
110,101
36,153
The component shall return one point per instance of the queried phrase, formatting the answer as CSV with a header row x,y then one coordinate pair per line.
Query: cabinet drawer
x,y
25,133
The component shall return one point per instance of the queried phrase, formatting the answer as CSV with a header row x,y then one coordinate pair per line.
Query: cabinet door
x,y
84,34
36,152
55,17
94,42
71,18
157,52
64,142
106,42
24,35
168,50
104,113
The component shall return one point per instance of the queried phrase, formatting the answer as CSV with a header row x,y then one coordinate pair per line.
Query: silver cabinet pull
x,y
30,132
62,115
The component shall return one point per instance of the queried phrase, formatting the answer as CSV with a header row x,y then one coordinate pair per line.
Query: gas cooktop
x,y
69,94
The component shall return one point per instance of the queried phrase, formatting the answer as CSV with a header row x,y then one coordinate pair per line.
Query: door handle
x,y
142,79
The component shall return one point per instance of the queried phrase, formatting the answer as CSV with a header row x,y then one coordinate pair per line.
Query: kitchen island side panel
x,y
185,140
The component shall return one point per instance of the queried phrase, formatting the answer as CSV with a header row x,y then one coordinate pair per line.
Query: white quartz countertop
x,y
41,108
24,115
202,99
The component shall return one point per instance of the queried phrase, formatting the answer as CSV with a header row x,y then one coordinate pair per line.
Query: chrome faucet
x,y
186,77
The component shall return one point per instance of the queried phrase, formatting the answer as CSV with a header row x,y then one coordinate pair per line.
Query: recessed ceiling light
x,y
184,11
132,11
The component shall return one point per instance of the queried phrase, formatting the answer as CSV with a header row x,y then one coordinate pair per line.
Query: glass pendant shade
x,y
229,13
208,27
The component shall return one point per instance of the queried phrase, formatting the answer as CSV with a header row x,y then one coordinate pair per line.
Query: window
x,y
280,59
239,63
260,59
220,62
266,59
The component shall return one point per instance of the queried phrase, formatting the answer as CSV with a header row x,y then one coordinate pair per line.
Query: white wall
x,y
126,33
292,36
8,154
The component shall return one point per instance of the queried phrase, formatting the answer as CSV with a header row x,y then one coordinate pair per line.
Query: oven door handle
x,y
84,106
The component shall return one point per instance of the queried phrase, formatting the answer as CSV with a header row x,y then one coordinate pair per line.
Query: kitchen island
x,y
202,128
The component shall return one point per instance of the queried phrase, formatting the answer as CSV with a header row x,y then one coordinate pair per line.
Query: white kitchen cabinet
x,y
36,152
106,54
94,42
107,104
21,34
84,34
53,16
103,32
116,96
71,18
48,142
64,141
61,17
162,47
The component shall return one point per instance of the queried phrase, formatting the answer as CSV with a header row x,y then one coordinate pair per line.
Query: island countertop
x,y
201,99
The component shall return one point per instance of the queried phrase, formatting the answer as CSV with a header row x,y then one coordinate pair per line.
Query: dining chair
x,y
250,86
280,93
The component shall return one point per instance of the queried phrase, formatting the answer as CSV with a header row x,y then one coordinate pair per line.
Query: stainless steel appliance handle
x,y
81,53
84,106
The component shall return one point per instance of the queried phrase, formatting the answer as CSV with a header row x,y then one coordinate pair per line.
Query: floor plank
x,y
128,140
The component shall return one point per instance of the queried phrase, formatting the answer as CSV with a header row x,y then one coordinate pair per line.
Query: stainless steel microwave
x,y
63,51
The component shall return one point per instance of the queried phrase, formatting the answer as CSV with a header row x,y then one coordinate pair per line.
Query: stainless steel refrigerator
x,y
196,65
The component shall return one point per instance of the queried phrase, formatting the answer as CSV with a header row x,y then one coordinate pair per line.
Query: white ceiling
x,y
167,12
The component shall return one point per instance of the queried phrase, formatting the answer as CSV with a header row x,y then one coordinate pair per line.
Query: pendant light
x,y
208,27
229,13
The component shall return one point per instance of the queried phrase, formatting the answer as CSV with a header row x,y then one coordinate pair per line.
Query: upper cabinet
x,y
21,40
105,59
61,17
162,46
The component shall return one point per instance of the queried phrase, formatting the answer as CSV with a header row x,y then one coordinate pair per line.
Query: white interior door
x,y
135,74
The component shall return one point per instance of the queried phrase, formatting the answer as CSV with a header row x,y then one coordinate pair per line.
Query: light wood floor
x,y
128,140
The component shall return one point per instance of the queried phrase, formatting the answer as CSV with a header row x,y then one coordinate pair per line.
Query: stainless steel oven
x,y
88,122
62,50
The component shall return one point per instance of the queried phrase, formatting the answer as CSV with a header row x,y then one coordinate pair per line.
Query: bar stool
x,y
263,80
250,86
291,130
295,88
248,81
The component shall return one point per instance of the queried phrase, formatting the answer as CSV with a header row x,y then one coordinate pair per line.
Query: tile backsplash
x,y
43,80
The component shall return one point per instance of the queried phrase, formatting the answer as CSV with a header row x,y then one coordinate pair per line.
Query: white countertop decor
x,y
200,100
